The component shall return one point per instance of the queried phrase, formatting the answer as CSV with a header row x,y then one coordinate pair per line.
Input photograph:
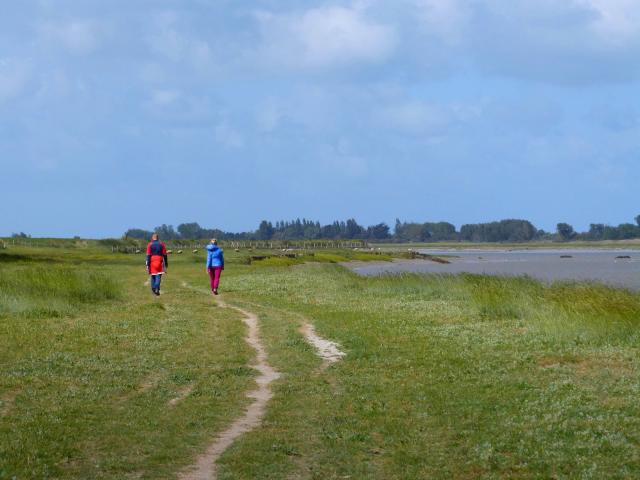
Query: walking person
x,y
157,262
215,264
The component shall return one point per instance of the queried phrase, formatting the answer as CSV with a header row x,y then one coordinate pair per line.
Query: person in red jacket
x,y
157,262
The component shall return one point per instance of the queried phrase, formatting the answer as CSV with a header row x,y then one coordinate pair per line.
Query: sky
x,y
128,113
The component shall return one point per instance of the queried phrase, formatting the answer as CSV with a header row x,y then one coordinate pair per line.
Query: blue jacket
x,y
215,257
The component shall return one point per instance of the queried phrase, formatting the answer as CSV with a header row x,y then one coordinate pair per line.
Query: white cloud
x,y
171,40
79,37
415,117
269,115
446,19
569,42
324,37
14,76
340,159
56,84
227,136
165,97
617,22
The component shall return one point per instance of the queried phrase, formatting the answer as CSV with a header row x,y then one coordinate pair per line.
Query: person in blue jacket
x,y
215,264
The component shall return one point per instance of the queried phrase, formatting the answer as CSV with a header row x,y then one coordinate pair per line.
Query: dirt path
x,y
205,467
326,349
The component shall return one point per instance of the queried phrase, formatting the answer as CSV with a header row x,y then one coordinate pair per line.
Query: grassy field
x,y
445,377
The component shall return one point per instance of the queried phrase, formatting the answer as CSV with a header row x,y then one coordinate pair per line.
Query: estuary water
x,y
605,266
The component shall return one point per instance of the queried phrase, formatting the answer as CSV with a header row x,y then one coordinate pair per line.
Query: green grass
x,y
53,289
331,256
445,376
89,362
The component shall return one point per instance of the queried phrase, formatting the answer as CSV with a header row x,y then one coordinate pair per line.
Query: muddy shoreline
x,y
615,267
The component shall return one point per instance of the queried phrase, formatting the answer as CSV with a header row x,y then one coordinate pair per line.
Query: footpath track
x,y
205,466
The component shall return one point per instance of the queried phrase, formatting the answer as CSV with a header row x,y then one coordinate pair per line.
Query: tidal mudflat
x,y
612,266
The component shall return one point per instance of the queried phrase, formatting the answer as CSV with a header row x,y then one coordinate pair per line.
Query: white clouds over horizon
x,y
299,100
323,37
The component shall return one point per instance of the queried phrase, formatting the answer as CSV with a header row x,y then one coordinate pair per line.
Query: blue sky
x,y
120,114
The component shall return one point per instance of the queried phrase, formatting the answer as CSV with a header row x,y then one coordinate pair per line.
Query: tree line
x,y
510,230
601,231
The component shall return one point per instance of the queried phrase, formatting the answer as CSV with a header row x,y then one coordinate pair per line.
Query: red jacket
x,y
157,260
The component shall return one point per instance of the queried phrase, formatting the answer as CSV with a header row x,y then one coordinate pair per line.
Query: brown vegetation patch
x,y
7,401
613,366
554,361
589,366
183,393
614,402
148,383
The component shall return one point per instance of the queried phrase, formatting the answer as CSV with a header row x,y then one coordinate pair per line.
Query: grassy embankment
x,y
445,377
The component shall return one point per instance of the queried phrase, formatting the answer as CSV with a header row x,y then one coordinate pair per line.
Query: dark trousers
x,y
155,282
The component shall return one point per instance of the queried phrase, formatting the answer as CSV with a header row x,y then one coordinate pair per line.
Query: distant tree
x,y
628,230
330,231
352,229
378,232
311,230
596,231
518,230
440,231
565,231
20,235
511,230
137,233
191,230
166,232
265,231
610,233
412,232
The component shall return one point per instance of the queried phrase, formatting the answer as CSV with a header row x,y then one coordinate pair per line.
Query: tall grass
x,y
445,377
583,310
53,289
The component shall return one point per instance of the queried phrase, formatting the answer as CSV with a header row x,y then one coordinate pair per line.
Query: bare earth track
x,y
328,351
205,467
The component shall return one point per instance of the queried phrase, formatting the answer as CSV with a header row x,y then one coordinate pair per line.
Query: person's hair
x,y
154,236
214,241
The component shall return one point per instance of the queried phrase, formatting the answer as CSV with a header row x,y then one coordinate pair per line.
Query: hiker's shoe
x,y
215,292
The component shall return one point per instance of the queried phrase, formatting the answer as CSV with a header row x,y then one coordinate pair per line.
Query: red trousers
x,y
214,274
